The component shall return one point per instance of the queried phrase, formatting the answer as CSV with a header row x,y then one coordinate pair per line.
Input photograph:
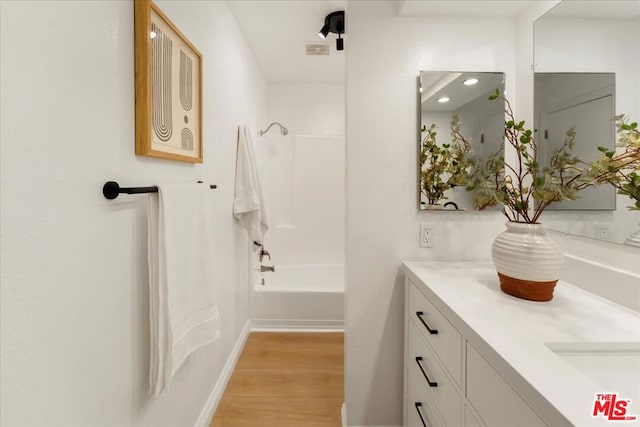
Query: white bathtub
x,y
306,297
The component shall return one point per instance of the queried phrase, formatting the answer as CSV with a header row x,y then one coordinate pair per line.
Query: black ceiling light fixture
x,y
334,23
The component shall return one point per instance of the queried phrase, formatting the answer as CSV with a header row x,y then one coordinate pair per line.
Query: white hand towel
x,y
248,205
183,306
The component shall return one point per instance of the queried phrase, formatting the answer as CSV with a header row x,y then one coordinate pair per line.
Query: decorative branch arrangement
x,y
621,167
442,166
517,186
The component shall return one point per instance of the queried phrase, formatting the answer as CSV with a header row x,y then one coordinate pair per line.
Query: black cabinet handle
x,y
431,331
418,406
431,383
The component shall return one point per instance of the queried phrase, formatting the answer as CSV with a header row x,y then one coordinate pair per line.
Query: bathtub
x,y
305,297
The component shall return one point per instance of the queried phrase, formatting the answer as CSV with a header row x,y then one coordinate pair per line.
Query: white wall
x,y
385,55
606,269
74,307
381,155
304,173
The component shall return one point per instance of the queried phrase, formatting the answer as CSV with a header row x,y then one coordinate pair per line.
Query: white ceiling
x,y
602,9
277,32
440,8
436,84
472,8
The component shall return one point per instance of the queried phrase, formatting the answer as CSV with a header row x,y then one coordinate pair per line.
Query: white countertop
x,y
518,331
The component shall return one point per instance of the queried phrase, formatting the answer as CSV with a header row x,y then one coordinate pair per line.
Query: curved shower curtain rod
x,y
283,130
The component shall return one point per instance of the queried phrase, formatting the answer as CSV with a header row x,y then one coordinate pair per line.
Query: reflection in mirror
x,y
584,102
600,37
442,96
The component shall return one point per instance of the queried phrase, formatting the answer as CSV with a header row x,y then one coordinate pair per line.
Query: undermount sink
x,y
613,366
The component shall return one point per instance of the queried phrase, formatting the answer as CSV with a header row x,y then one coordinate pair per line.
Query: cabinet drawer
x,y
469,419
493,398
447,342
441,391
425,408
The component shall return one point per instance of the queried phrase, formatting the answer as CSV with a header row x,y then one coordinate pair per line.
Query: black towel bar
x,y
111,189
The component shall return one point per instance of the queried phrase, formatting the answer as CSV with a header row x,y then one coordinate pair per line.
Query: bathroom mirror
x,y
588,53
584,102
441,96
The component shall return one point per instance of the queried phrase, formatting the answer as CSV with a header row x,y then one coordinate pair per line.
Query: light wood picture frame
x,y
168,88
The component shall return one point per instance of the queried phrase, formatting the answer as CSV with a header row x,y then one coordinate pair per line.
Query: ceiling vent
x,y
315,49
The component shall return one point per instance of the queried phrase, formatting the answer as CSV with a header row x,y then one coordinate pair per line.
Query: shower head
x,y
283,130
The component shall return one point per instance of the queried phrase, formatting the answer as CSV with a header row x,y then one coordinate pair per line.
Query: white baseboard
x,y
216,394
288,325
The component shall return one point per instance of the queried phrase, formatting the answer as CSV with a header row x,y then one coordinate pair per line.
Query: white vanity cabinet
x,y
477,357
496,402
448,379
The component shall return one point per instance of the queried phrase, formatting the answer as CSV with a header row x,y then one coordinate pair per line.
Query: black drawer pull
x,y
431,331
418,406
431,383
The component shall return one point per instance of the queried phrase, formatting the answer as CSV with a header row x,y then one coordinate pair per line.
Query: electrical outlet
x,y
426,235
602,231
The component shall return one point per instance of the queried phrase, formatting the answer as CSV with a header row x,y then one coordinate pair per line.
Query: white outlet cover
x,y
426,235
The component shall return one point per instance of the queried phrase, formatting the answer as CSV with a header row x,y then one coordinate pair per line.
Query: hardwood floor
x,y
285,380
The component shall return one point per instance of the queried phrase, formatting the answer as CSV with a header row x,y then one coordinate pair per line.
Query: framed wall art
x,y
168,88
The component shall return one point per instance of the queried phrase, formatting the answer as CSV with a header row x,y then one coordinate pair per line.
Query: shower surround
x,y
303,176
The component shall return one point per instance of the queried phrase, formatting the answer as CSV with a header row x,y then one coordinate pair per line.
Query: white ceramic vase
x,y
633,240
527,260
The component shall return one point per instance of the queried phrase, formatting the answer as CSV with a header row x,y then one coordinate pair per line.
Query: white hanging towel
x,y
248,205
183,306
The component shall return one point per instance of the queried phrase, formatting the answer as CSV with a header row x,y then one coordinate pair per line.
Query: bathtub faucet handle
x,y
264,253
265,268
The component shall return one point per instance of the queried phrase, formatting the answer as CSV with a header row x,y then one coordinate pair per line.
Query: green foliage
x,y
517,186
620,167
631,188
442,166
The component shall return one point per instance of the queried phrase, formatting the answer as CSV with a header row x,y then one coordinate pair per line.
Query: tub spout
x,y
265,268
264,253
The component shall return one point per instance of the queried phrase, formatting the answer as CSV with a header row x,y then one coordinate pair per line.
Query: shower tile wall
x,y
303,173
